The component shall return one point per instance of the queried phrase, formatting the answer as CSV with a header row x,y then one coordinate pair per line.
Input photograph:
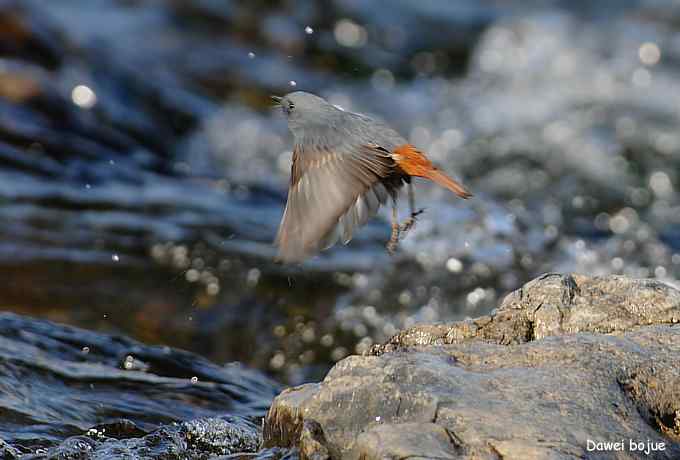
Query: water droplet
x,y
115,257
88,186
309,30
251,55
292,83
642,78
83,96
454,265
194,379
112,162
253,277
350,34
192,275
649,53
86,349
213,288
327,340
279,330
277,361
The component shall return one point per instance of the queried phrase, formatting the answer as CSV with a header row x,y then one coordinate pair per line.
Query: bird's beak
x,y
277,100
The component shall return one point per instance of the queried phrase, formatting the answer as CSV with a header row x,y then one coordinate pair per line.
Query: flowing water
x,y
143,172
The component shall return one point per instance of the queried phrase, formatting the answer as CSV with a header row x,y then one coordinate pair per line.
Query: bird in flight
x,y
345,165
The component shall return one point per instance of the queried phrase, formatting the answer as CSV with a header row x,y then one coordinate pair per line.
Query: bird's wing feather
x,y
332,192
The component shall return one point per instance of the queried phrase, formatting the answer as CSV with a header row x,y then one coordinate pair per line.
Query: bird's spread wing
x,y
332,192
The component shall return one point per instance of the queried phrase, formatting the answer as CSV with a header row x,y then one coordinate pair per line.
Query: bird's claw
x,y
399,230
411,221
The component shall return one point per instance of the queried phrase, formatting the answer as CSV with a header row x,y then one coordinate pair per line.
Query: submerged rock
x,y
564,360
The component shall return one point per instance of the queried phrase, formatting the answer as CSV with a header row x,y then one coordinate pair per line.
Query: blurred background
x,y
143,172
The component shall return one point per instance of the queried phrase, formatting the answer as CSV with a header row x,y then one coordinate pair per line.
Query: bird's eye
x,y
291,106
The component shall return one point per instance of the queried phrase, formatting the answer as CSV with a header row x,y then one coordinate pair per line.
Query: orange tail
x,y
414,163
442,179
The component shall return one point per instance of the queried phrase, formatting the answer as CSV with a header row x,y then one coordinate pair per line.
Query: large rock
x,y
564,360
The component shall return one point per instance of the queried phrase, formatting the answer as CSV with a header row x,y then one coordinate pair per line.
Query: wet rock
x,y
197,439
564,359
218,436
8,452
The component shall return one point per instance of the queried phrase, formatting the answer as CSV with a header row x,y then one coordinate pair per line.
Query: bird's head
x,y
304,110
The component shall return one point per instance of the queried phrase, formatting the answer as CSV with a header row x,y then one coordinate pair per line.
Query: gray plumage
x,y
345,166
339,162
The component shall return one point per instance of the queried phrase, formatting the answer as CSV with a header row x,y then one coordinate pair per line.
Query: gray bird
x,y
345,165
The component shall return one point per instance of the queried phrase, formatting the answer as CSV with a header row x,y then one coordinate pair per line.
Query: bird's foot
x,y
394,239
411,221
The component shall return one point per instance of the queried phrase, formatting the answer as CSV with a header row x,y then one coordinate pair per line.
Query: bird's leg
x,y
411,221
394,239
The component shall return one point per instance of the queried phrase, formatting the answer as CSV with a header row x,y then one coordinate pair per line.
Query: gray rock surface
x,y
563,360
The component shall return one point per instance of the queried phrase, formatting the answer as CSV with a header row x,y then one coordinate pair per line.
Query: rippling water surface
x,y
143,173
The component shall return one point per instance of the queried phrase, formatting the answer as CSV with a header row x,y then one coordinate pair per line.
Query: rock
x,y
555,304
8,452
196,439
222,436
564,360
